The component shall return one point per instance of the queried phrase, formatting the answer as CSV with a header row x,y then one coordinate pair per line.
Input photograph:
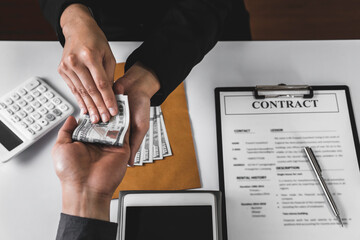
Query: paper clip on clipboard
x,y
283,90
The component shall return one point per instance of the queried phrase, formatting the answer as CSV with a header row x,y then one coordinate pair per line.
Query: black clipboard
x,y
261,92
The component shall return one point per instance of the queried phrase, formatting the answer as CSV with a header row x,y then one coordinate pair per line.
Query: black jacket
x,y
176,33
78,228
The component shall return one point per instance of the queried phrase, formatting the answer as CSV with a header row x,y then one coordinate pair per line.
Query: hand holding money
x,y
140,84
89,173
109,133
155,145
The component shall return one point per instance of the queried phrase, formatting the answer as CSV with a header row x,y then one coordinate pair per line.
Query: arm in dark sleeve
x,y
189,30
52,10
77,228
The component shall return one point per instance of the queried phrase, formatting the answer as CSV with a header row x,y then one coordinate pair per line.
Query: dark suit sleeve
x,y
78,228
189,30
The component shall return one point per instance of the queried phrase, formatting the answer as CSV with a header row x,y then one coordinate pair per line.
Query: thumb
x,y
118,87
65,132
109,66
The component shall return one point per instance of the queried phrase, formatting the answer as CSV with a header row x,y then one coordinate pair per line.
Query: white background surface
x,y
30,194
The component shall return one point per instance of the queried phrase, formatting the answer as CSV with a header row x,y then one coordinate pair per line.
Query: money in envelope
x,y
109,133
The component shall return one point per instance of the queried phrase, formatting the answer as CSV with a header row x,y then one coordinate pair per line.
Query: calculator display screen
x,y
7,138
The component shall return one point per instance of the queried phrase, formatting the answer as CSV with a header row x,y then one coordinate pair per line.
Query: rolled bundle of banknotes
x,y
110,133
155,145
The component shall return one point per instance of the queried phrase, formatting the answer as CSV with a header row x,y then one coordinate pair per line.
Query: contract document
x,y
270,190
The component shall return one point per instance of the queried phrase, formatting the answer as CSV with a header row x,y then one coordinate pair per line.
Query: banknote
x,y
137,160
110,133
147,148
156,144
166,149
157,151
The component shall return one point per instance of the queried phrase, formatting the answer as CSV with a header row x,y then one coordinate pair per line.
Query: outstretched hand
x,y
89,173
140,84
87,64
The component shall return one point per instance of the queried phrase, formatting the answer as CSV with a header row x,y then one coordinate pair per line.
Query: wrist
x,y
85,203
75,16
140,79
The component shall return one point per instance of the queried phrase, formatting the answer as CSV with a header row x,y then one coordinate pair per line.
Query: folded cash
x,y
110,133
166,149
147,147
155,145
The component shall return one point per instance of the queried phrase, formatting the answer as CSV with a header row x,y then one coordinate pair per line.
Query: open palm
x,y
89,167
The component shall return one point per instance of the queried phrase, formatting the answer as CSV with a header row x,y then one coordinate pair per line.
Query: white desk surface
x,y
30,194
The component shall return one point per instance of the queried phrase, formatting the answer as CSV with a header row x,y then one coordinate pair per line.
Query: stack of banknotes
x,y
155,145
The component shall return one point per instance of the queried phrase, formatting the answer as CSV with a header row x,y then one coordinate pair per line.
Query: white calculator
x,y
27,113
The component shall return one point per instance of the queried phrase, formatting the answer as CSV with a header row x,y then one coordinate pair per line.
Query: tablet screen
x,y
169,222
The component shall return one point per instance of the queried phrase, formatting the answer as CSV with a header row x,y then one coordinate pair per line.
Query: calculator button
x,y
29,98
22,124
9,112
2,106
50,106
36,104
57,112
43,122
36,127
31,85
43,111
22,114
15,108
29,120
22,103
8,101
36,115
50,117
57,101
32,132
42,88
64,107
15,119
43,100
49,95
29,109
36,93
22,92
15,96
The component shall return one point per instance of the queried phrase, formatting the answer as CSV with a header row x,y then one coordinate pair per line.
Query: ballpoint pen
x,y
317,170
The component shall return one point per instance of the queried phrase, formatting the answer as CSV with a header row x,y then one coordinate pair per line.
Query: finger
x,y
65,132
138,131
136,140
118,88
74,91
102,80
90,105
92,90
109,66
104,85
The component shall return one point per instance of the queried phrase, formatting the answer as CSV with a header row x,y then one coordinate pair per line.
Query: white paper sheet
x,y
271,191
